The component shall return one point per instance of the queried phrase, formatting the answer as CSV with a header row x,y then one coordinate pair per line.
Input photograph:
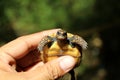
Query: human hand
x,y
21,54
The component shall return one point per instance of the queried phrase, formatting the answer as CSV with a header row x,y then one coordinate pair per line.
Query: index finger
x,y
22,45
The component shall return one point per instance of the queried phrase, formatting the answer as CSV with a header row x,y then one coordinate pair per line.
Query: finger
x,y
52,69
28,60
33,67
21,46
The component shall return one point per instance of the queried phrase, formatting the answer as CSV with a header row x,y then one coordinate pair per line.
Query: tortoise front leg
x,y
45,41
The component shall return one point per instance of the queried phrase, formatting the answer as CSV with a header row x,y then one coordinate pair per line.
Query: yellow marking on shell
x,y
69,34
55,51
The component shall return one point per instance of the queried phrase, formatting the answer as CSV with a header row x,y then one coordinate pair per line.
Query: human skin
x,y
21,51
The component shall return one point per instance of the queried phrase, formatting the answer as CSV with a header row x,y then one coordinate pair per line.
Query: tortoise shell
x,y
61,44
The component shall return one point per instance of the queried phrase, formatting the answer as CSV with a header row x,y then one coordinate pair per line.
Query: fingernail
x,y
67,63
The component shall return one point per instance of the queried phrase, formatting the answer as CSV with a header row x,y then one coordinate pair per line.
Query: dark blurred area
x,y
98,21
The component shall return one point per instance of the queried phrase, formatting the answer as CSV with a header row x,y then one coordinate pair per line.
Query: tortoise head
x,y
61,35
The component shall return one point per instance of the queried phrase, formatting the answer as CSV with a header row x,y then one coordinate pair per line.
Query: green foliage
x,y
83,8
30,16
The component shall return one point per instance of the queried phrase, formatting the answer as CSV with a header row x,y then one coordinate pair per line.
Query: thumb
x,y
53,69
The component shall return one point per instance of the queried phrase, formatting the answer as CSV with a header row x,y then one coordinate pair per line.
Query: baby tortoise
x,y
61,44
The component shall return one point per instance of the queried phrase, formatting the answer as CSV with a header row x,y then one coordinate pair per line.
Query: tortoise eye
x,y
64,34
58,33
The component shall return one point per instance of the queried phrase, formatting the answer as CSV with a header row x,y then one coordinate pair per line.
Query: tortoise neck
x,y
62,43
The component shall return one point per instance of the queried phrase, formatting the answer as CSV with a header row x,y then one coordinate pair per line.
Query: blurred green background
x,y
98,21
